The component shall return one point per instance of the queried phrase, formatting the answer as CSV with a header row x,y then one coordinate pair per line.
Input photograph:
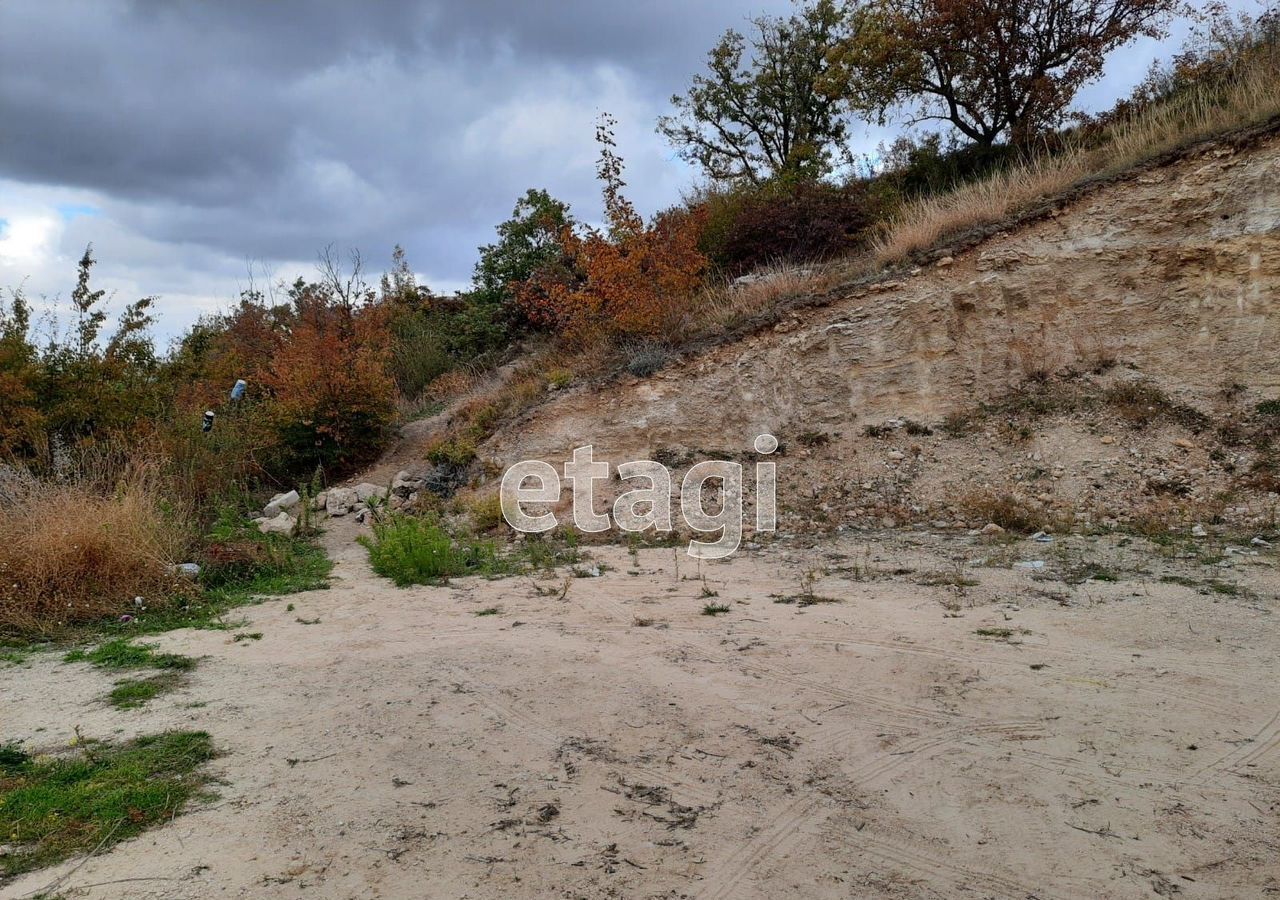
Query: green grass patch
x,y
132,693
53,809
121,653
488,611
715,609
420,551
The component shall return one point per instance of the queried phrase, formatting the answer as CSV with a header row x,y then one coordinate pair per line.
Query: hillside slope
x,y
1122,346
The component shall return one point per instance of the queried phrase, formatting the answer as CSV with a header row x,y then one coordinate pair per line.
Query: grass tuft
x,y
122,654
131,693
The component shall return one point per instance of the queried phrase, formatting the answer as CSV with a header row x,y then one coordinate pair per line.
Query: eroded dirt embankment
x,y
1170,277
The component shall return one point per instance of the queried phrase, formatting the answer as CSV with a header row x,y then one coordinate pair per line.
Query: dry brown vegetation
x,y
71,554
1250,98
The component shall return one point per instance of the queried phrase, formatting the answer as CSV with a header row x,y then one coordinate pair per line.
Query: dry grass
x,y
1004,508
926,222
71,555
1249,99
727,305
1252,97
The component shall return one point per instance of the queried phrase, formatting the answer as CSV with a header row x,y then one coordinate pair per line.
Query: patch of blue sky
x,y
70,211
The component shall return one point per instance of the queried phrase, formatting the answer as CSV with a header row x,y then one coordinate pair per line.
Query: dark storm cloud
x,y
268,129
207,133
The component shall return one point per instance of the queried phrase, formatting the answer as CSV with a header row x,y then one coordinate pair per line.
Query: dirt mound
x,y
1151,302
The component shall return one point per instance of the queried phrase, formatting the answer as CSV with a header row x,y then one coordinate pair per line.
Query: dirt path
x,y
1121,741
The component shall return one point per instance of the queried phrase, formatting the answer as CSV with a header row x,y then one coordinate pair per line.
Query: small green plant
x,y
715,609
488,611
559,378
52,809
457,452
486,512
131,693
420,551
121,653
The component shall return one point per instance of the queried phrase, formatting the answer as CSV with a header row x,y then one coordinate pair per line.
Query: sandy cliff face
x,y
1172,275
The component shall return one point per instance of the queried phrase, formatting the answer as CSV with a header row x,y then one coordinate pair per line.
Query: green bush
x,y
419,551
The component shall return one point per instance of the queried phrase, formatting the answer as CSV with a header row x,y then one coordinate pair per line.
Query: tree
x,y
772,112
992,68
527,241
21,421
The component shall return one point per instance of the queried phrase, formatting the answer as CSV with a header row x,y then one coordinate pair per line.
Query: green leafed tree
x,y
769,104
527,242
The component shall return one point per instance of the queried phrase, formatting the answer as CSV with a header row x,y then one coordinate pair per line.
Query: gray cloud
x,y
240,129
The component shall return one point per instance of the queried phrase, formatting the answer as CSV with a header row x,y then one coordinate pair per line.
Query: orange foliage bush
x,y
332,401
631,281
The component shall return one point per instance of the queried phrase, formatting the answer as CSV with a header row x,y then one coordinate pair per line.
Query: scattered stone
x,y
1184,444
1042,538
406,484
992,528
1199,531
1029,564
366,491
319,500
945,261
186,570
1260,542
897,455
340,501
281,524
281,503
1108,439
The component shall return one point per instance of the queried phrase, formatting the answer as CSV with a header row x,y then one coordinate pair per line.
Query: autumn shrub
x,y
332,401
787,222
630,280
21,421
72,553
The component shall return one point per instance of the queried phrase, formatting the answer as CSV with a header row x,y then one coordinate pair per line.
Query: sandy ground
x,y
1123,741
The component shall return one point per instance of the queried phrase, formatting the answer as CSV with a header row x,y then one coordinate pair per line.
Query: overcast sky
x,y
186,139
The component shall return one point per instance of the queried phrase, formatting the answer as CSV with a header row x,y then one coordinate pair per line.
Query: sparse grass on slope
x,y
1250,98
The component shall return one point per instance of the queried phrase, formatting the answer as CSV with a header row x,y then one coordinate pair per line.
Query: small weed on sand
x,y
122,654
131,693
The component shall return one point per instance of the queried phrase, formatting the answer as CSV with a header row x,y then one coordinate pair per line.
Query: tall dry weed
x,y
71,553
